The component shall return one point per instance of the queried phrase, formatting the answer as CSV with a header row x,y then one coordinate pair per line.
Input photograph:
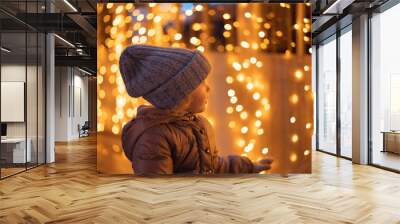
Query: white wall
x,y
71,93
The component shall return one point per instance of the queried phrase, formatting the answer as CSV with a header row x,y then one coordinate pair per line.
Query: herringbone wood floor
x,y
71,191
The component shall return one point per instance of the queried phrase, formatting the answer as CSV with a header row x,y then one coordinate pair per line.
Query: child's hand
x,y
261,165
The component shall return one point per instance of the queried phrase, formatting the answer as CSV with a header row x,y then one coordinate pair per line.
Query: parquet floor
x,y
71,191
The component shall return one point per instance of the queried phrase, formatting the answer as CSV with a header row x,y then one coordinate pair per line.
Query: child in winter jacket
x,y
170,137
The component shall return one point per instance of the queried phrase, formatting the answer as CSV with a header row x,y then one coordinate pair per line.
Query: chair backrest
x,y
86,124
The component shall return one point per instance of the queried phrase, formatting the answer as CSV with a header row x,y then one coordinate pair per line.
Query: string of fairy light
x,y
126,24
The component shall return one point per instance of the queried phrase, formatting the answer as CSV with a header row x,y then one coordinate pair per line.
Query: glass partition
x,y
22,89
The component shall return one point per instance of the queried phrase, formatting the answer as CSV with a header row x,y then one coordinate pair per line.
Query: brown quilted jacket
x,y
161,142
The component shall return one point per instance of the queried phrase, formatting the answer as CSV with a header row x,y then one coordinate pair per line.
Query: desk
x,y
391,141
13,150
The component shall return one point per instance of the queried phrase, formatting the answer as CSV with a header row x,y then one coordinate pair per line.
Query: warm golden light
x,y
298,74
243,115
239,108
245,44
232,124
308,125
237,66
229,110
226,16
256,96
233,99
231,92
258,113
229,79
295,138
294,98
245,48
250,86
240,77
293,157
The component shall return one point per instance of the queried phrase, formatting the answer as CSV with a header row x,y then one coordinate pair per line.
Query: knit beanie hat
x,y
163,76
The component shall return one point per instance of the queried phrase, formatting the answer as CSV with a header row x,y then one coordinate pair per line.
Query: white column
x,y
360,89
50,99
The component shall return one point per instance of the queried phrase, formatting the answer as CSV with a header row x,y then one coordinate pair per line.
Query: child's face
x,y
199,98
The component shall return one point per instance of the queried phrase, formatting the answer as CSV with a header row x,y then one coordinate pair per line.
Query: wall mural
x,y
260,100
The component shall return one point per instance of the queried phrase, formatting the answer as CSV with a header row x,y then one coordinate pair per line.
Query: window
x,y
346,93
327,96
385,89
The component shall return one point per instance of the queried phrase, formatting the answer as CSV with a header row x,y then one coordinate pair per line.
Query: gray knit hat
x,y
162,76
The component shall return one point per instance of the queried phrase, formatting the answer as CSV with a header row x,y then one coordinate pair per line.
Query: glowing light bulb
x,y
231,92
306,87
253,60
308,125
258,123
307,152
240,77
196,26
234,99
250,86
239,108
244,130
198,8
261,34
226,16
245,44
247,15
294,98
229,79
232,124
259,64
265,150
228,26
115,129
241,142
243,115
260,131
293,157
256,96
229,110
140,17
292,120
295,138
306,68
237,66
298,74
188,12
157,19
248,149
258,113
142,30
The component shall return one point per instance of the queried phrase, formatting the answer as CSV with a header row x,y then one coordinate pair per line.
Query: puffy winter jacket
x,y
164,142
